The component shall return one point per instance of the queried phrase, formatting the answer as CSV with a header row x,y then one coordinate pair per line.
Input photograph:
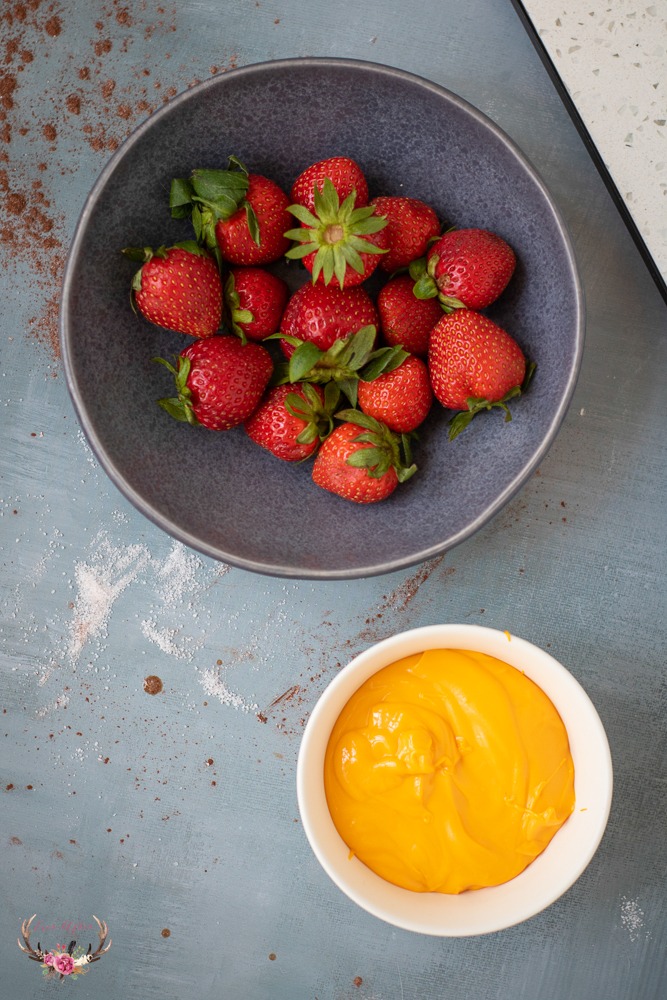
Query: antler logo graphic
x,y
70,961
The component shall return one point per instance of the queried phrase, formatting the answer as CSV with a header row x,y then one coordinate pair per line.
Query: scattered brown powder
x,y
103,47
7,87
16,203
31,231
53,26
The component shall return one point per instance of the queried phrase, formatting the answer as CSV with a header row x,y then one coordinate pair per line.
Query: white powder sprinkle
x,y
62,701
215,687
177,575
100,583
165,639
632,917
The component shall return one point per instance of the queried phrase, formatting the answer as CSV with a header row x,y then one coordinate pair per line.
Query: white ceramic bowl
x,y
484,910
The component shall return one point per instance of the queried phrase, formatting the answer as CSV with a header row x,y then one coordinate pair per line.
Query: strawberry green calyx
x,y
345,362
425,287
180,406
387,448
209,196
335,233
460,421
319,416
236,314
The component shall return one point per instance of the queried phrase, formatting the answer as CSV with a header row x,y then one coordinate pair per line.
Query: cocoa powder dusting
x,y
32,233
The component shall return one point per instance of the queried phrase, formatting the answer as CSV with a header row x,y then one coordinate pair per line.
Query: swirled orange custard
x,y
448,770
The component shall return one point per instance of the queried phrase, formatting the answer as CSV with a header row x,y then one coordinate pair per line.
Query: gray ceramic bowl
x,y
218,492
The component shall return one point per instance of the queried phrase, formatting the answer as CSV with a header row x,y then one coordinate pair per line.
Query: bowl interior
x,y
222,494
552,872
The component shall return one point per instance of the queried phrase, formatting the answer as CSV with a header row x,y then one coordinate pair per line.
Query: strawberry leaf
x,y
297,252
303,360
179,407
180,198
417,268
361,419
425,287
191,246
370,459
221,190
449,303
349,387
459,423
383,361
303,215
253,223
141,254
302,235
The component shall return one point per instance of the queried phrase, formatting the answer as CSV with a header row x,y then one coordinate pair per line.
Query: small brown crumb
x,y
165,932
152,684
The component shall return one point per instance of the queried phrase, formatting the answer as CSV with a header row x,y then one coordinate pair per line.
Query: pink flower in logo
x,y
64,964
48,958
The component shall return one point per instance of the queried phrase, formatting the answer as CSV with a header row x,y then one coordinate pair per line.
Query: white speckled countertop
x,y
612,60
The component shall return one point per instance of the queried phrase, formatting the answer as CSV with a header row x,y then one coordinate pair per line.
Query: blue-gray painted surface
x,y
178,811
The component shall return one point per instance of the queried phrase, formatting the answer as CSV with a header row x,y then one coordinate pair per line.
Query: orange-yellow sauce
x,y
448,770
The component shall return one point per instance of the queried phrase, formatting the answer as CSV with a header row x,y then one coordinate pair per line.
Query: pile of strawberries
x,y
351,377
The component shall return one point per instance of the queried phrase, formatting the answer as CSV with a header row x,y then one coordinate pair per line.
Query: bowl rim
x,y
164,522
506,905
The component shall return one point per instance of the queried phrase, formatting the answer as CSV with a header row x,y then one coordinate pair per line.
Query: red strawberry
x,y
467,269
219,381
339,243
243,240
238,216
401,398
361,460
322,315
178,288
255,301
405,319
345,175
474,365
411,225
292,420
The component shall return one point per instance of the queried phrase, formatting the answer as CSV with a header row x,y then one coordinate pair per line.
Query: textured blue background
x,y
125,817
